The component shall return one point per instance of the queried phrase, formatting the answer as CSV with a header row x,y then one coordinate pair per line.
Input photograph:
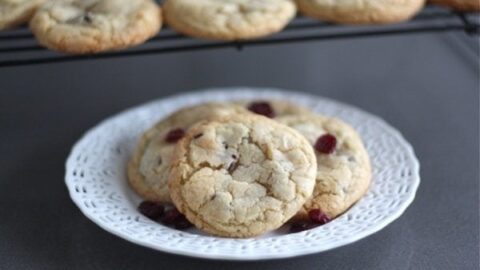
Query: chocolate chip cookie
x,y
460,5
344,172
17,12
228,19
149,167
241,176
92,26
361,11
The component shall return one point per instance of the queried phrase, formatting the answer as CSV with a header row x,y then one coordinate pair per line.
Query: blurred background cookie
x,y
228,19
459,5
361,11
92,26
17,12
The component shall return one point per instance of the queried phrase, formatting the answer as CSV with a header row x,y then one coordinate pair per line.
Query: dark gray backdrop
x,y
425,85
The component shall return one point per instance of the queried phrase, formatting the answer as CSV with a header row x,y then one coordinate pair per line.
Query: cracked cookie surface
x,y
344,175
149,167
361,11
91,26
17,12
228,19
241,176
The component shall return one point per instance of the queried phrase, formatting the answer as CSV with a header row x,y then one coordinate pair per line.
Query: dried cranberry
x,y
326,144
174,135
302,226
318,216
170,216
182,223
262,108
151,210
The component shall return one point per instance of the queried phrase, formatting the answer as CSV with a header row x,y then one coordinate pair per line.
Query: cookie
x,y
228,19
149,167
92,26
344,171
241,176
459,5
273,109
361,11
17,12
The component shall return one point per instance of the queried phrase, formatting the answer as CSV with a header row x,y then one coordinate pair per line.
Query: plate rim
x,y
252,256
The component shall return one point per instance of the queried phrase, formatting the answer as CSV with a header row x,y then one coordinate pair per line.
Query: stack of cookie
x,y
245,168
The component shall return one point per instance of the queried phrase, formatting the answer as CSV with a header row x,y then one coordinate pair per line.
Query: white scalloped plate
x,y
96,178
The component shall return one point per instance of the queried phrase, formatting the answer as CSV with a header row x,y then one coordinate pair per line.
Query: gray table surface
x,y
426,86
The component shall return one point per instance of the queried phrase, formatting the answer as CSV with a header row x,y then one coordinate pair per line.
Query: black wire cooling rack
x,y
18,47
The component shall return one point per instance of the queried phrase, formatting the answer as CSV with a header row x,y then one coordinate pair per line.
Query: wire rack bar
x,y
301,30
